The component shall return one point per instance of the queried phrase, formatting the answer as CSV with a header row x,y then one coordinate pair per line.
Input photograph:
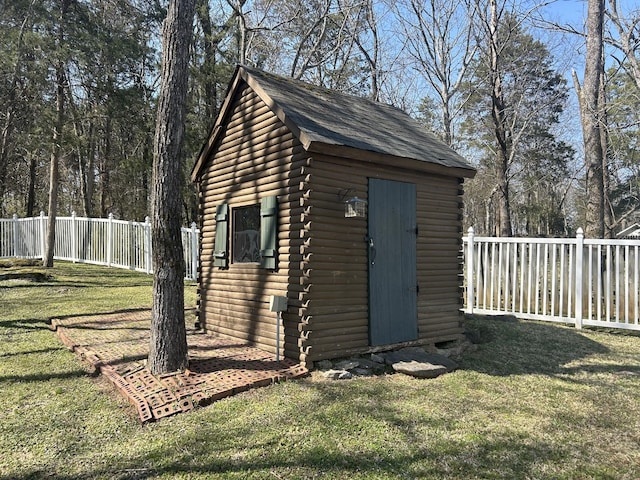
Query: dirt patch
x,y
37,277
20,262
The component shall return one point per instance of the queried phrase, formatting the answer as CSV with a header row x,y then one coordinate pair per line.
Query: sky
x,y
567,11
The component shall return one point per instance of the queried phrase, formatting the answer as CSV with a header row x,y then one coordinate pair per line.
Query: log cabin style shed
x,y
283,179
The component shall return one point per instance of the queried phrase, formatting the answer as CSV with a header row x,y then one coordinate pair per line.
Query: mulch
x,y
117,346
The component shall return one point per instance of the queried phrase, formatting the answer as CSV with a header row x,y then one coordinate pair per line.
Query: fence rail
x,y
100,241
576,280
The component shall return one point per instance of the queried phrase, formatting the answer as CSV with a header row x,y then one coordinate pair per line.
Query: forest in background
x,y
492,78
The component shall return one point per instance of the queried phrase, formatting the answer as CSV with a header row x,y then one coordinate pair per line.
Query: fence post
x,y
15,235
109,238
43,225
74,239
194,251
579,273
469,260
147,244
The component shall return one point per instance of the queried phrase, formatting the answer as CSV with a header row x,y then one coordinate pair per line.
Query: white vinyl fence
x,y
101,241
576,280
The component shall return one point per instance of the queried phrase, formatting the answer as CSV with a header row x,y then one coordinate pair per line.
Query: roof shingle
x,y
330,117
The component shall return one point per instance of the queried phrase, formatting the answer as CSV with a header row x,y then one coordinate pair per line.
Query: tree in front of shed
x,y
168,344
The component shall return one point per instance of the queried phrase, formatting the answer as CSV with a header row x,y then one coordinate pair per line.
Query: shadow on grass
x,y
70,284
31,352
24,324
450,459
100,321
43,377
405,443
71,276
512,347
35,324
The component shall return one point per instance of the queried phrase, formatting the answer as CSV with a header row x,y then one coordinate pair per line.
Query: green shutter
x,y
221,245
269,233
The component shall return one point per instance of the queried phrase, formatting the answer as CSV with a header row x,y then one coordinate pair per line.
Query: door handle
x,y
372,251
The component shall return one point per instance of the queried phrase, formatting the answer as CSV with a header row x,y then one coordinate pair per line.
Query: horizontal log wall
x,y
335,284
256,156
323,264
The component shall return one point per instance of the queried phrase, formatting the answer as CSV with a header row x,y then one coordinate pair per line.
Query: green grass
x,y
534,401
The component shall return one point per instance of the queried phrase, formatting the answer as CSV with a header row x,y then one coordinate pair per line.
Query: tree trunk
x,y
87,176
85,165
208,64
105,173
31,195
56,148
168,345
591,117
503,212
608,214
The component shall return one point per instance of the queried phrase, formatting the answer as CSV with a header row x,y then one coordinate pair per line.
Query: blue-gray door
x,y
393,313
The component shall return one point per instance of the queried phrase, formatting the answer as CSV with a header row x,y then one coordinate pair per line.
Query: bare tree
x,y
439,36
168,345
494,40
243,29
627,40
362,21
591,113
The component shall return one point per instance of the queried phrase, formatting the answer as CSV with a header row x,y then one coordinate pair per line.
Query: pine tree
x,y
515,101
168,344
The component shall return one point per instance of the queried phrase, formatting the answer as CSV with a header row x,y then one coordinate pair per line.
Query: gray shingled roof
x,y
332,118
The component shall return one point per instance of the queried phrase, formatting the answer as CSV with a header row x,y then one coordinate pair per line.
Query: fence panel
x,y
100,241
573,280
21,237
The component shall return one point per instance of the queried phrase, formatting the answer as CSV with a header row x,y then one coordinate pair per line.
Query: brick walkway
x,y
117,345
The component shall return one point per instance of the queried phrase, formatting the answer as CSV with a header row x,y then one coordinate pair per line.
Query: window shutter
x,y
221,243
269,233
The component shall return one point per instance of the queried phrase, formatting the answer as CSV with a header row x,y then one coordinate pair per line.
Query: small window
x,y
246,234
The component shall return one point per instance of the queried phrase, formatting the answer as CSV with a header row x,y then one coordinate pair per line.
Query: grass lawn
x,y
534,401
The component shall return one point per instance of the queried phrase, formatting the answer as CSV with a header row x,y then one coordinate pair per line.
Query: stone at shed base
x,y
377,358
324,365
418,355
337,374
419,369
347,364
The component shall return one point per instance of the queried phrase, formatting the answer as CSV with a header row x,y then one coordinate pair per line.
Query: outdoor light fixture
x,y
355,208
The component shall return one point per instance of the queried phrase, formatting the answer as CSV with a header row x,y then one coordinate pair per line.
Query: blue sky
x,y
574,12
569,11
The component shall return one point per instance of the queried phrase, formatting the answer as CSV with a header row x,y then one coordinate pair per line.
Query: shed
x,y
631,232
278,179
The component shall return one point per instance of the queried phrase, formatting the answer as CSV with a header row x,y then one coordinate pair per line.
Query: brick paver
x,y
117,345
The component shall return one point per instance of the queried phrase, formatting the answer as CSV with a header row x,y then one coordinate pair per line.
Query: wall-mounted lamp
x,y
354,207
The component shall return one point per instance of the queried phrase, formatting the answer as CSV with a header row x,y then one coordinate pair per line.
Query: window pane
x,y
246,234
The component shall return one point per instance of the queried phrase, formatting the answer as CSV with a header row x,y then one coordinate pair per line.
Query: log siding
x,y
257,156
256,151
335,301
